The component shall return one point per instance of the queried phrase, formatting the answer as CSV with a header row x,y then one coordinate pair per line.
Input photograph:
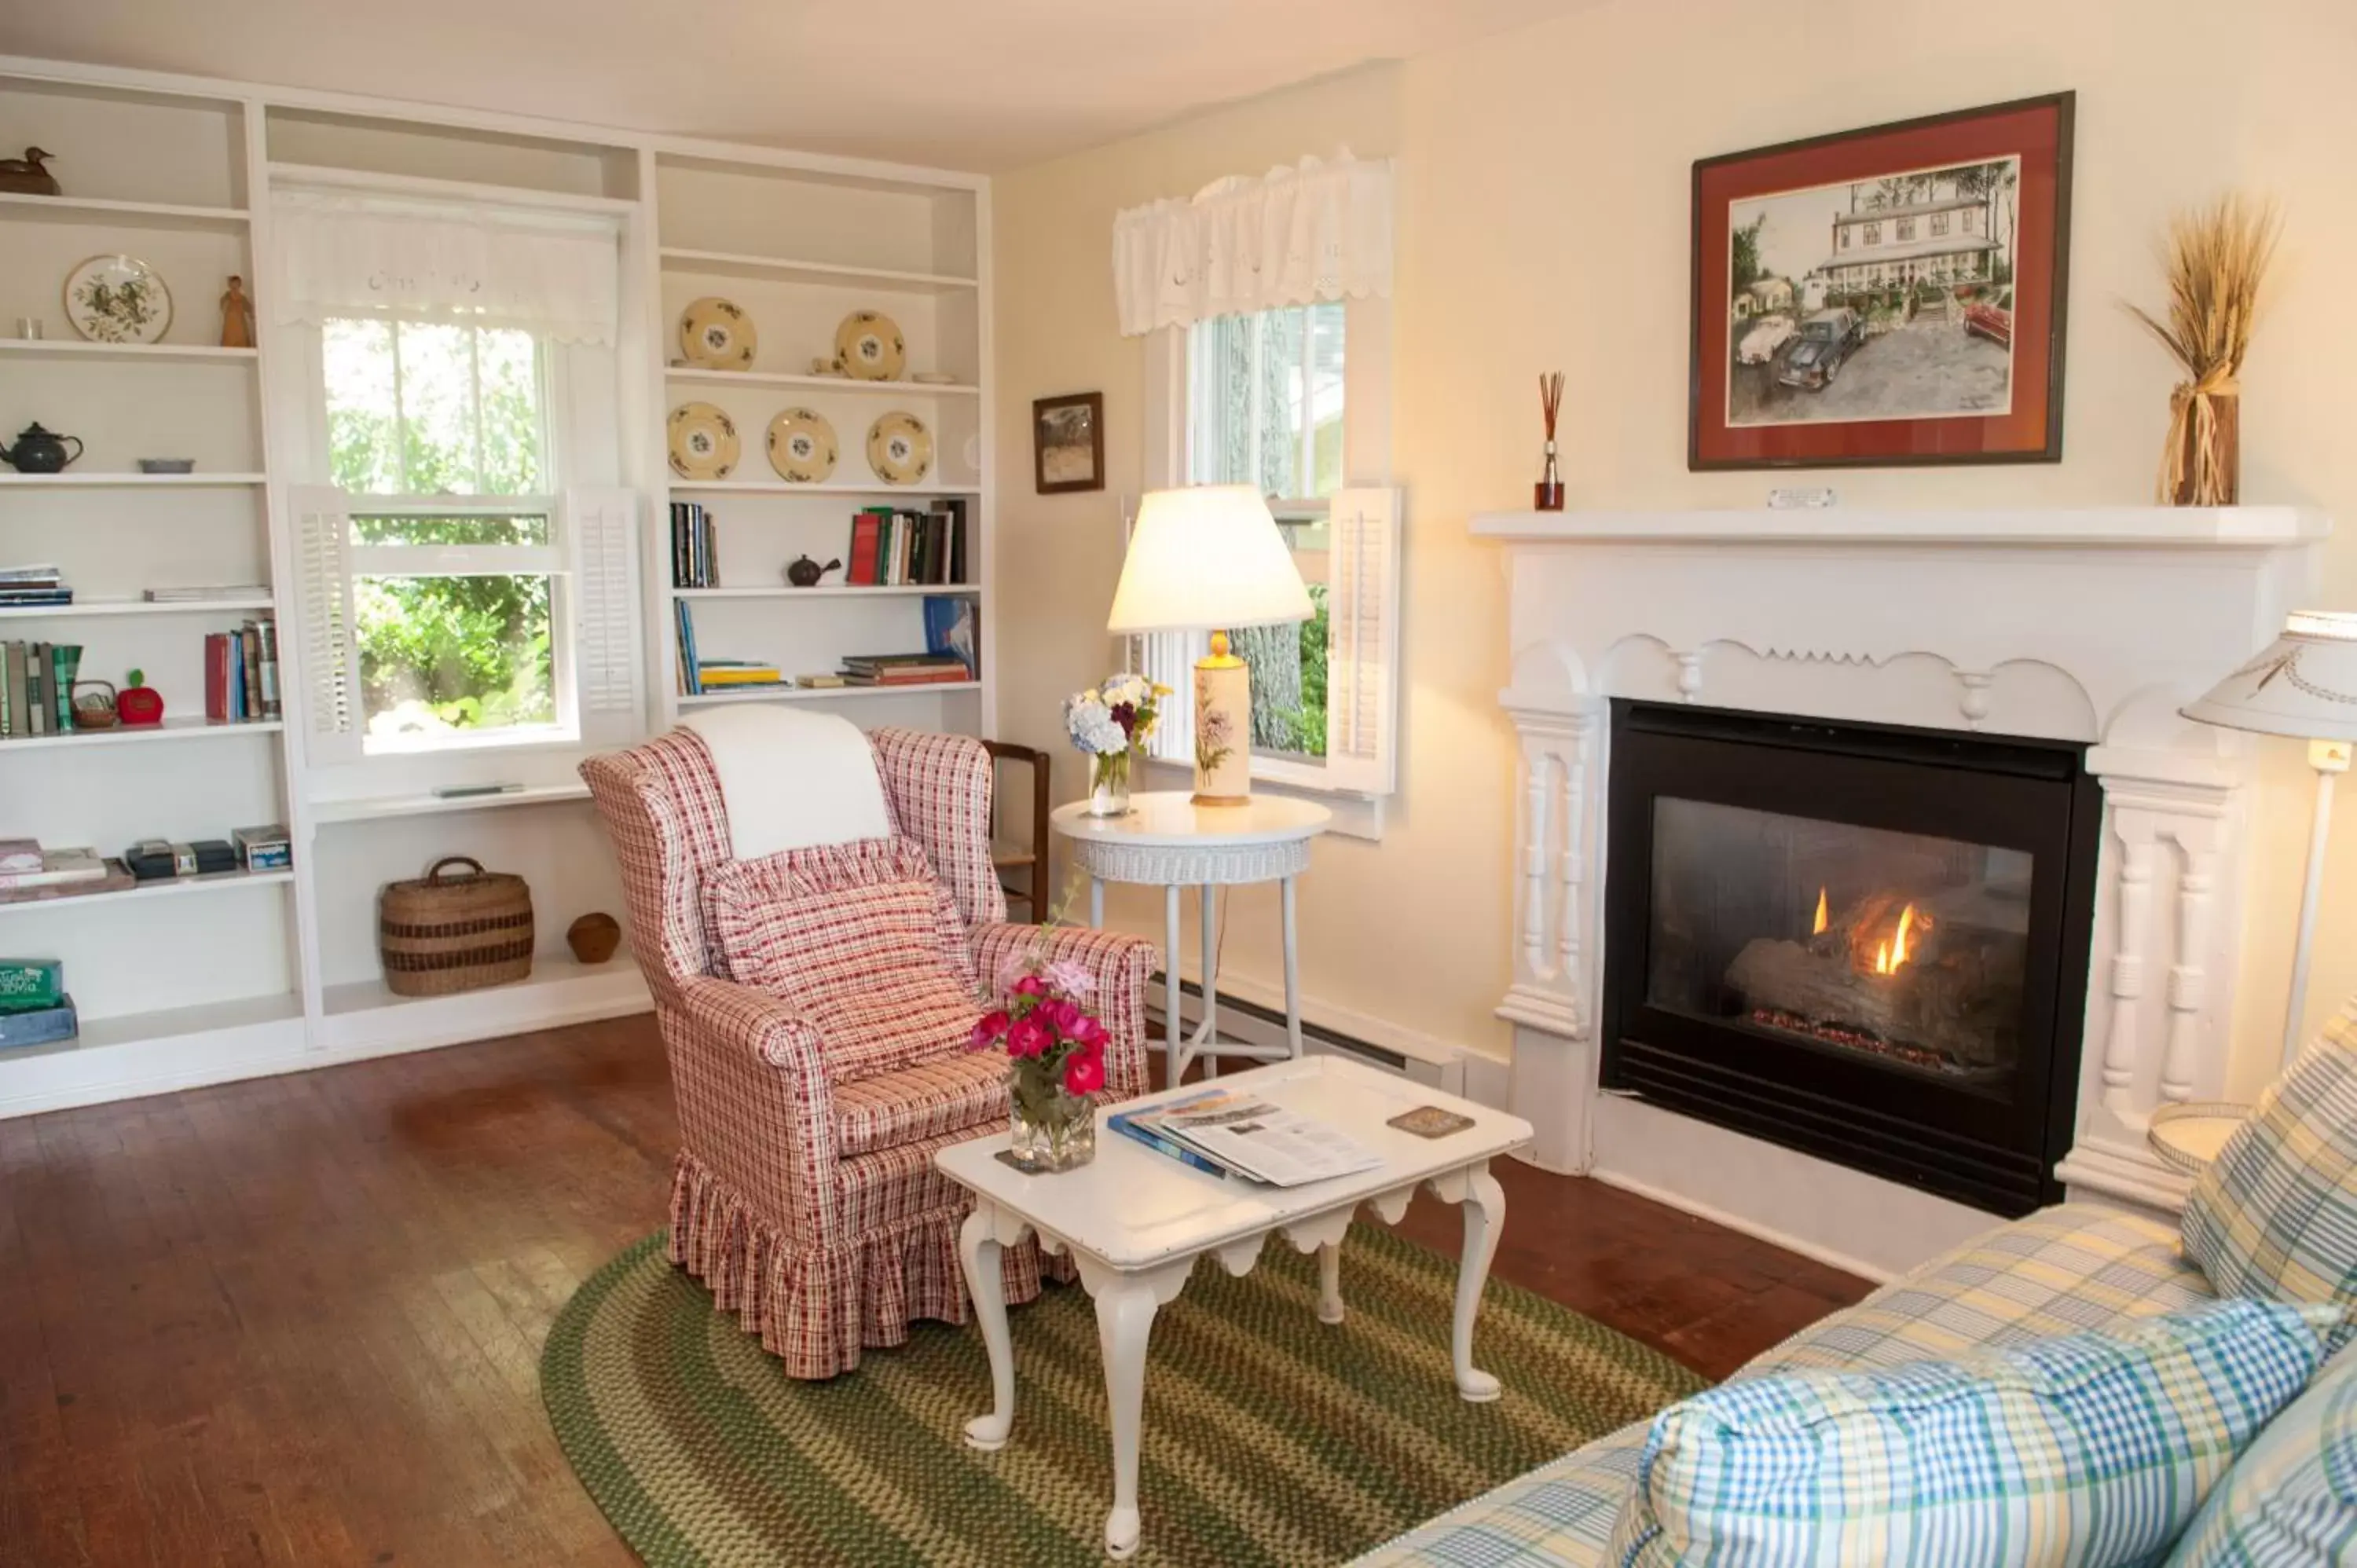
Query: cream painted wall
x,y
1543,224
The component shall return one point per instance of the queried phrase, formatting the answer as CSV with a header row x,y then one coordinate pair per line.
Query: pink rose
x,y
1084,1074
1089,1033
988,1030
1027,1037
1029,985
1060,1014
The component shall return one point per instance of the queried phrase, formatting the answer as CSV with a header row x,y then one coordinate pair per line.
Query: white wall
x,y
1544,225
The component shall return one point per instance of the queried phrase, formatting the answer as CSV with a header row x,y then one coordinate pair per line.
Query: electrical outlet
x,y
1791,498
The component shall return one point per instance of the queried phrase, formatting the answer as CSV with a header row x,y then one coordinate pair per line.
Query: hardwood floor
x,y
298,1320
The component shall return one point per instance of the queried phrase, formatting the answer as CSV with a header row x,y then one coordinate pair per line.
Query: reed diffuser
x,y
2215,263
1547,494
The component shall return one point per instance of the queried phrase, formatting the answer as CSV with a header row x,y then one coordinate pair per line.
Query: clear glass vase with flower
x,y
1055,1055
1110,722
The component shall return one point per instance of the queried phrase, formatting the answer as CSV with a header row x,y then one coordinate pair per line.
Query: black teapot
x,y
39,451
804,572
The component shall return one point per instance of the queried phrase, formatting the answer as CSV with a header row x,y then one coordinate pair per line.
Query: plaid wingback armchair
x,y
806,1200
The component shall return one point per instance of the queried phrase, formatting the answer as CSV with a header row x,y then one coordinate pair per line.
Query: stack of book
x,y
37,687
904,670
34,1007
32,587
895,548
736,674
242,673
693,564
206,595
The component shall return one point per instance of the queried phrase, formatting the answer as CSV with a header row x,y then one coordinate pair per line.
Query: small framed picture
x,y
1068,442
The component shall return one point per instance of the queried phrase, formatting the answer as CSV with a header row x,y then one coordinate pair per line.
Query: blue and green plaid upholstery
x,y
2057,1272
2291,1500
2275,1215
2089,1451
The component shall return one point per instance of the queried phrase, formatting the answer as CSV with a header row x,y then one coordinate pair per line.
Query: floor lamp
x,y
2304,685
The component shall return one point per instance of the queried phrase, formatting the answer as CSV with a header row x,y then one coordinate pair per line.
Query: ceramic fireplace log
x,y
1931,1005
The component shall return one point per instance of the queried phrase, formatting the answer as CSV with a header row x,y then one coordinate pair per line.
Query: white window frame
x,y
1366,459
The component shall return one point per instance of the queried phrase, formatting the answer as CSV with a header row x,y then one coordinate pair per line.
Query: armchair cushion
x,y
858,938
947,1094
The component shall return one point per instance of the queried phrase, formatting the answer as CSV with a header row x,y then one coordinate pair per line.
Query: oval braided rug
x,y
1270,1437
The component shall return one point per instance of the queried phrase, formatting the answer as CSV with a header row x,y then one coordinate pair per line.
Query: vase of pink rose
x,y
1055,1061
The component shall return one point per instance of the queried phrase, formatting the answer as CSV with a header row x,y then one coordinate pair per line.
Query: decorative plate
x,y
868,347
801,446
702,441
899,448
118,299
717,335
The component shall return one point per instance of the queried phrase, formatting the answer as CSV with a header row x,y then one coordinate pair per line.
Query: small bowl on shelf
x,y
167,465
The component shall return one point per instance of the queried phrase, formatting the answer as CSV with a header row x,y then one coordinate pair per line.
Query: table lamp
x,y
1208,558
2305,685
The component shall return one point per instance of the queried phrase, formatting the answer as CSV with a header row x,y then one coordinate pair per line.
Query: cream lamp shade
x,y
1206,559
2304,683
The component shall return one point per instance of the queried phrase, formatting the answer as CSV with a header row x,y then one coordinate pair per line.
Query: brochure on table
x,y
1240,1132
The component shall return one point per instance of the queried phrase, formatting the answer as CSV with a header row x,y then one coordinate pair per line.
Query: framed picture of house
x,y
1885,296
1068,442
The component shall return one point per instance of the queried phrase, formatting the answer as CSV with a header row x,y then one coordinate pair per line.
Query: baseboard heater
x,y
1253,1024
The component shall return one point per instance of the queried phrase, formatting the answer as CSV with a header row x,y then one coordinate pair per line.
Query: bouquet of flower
x,y
1055,1051
1115,716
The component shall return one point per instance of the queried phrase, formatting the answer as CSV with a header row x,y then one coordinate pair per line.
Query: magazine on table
x,y
1240,1132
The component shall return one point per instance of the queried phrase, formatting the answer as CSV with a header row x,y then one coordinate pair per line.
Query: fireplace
x,y
1870,943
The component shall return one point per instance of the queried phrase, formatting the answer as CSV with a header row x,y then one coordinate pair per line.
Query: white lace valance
x,y
1320,230
556,274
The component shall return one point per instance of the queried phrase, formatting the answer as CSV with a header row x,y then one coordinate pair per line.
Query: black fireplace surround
x,y
1870,943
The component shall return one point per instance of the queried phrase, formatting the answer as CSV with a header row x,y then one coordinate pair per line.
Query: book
x,y
38,1026
59,866
217,697
714,675
867,529
31,982
951,510
20,854
271,707
689,683
65,664
1251,1136
48,576
1122,1121
955,675
250,688
205,594
38,712
34,598
820,682
952,628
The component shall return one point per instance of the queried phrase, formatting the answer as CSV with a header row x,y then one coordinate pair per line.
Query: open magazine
x,y
1233,1131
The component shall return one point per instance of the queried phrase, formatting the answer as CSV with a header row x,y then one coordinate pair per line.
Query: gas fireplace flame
x,y
1892,952
1819,928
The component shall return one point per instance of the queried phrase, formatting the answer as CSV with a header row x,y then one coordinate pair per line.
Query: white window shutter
x,y
1362,604
1167,659
330,648
601,539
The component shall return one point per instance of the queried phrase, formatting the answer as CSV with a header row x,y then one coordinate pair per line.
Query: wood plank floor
x,y
298,1320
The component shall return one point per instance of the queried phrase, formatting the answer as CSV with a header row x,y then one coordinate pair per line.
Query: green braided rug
x,y
1270,1437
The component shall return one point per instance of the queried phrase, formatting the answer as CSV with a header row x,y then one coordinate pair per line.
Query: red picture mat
x,y
2038,132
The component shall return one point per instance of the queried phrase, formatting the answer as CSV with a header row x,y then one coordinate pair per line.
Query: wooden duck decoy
x,y
29,176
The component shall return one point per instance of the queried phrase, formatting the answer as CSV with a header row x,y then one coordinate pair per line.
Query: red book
x,y
864,530
217,676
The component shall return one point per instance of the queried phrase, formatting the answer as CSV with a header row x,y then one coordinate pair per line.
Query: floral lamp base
x,y
1222,728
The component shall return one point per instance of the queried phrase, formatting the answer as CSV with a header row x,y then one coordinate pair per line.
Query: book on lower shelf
x,y
904,669
242,673
39,1025
57,868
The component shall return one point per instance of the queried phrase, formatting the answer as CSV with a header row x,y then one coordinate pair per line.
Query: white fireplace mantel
x,y
2089,625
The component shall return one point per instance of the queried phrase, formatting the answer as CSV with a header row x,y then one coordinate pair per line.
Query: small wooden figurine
x,y
27,176
237,315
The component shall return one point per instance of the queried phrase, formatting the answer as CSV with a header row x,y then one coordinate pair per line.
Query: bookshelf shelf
x,y
82,607
91,481
171,729
835,591
379,807
73,349
723,263
17,208
826,694
178,886
831,488
820,383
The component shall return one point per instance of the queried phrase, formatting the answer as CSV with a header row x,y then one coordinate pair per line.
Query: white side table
x,y
1167,841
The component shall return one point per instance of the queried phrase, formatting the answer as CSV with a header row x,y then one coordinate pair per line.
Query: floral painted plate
x,y
704,443
118,299
717,335
868,347
899,448
801,446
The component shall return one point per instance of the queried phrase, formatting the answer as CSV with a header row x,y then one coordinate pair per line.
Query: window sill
x,y
500,744
1355,816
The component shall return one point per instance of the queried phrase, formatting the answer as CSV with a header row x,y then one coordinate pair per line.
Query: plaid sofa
x,y
2063,1270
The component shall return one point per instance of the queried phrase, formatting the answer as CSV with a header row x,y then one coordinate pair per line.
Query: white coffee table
x,y
1135,1221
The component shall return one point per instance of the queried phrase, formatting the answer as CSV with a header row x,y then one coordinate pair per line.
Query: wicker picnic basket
x,y
441,934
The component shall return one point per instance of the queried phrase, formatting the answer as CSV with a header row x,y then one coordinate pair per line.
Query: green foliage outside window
x,y
428,410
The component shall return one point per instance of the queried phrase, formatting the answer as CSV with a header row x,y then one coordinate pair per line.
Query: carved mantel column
x,y
1552,1001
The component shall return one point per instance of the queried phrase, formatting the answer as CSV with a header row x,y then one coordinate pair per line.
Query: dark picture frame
x,y
1068,442
1906,299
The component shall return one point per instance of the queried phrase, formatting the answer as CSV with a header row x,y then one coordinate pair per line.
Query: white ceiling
x,y
980,84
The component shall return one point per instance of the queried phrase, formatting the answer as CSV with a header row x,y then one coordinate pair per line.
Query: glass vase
x,y
1053,1131
1109,784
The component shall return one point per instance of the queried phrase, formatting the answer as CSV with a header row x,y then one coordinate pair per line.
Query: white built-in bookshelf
x,y
218,977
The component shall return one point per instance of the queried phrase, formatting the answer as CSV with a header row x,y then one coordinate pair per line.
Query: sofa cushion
x,y
2083,1451
2292,1497
860,938
2275,1215
944,1095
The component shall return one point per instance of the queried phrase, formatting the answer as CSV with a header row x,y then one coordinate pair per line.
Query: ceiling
x,y
977,84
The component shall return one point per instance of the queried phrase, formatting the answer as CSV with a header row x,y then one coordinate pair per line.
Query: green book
x,y
29,983
65,663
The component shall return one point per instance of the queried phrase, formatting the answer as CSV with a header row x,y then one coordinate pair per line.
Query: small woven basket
x,y
443,934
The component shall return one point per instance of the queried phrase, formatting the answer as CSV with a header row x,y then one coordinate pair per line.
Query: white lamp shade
x,y
2304,684
1206,558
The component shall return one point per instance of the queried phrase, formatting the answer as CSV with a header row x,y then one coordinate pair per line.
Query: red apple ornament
x,y
139,704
